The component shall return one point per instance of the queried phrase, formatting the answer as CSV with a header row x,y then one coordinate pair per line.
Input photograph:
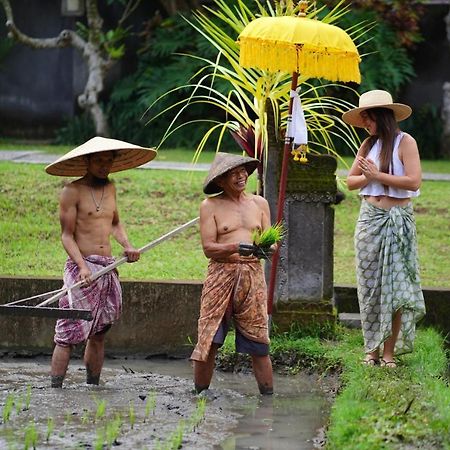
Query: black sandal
x,y
388,364
370,362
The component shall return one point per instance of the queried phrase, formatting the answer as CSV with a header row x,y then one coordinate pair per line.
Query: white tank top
x,y
396,168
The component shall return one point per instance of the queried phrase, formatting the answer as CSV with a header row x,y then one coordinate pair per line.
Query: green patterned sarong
x,y
388,275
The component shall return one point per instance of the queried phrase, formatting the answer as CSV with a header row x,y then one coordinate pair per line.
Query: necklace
x,y
99,204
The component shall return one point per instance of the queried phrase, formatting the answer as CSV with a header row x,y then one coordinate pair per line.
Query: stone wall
x,y
159,318
437,302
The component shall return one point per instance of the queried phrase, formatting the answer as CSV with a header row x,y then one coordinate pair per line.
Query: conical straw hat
x,y
223,162
375,99
127,156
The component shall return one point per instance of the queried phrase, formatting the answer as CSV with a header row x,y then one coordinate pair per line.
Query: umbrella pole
x,y
281,197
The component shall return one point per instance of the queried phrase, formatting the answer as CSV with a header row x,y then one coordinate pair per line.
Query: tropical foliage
x,y
386,64
163,64
182,57
251,91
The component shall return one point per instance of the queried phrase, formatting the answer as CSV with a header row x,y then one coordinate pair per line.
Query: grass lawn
x,y
403,408
152,202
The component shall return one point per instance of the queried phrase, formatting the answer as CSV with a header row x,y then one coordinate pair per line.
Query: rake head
x,y
42,311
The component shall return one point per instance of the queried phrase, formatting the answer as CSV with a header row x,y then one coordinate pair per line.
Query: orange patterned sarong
x,y
238,289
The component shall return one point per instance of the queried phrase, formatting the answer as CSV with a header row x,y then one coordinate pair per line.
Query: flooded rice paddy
x,y
149,404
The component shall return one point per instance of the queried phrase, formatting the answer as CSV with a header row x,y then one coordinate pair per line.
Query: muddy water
x,y
148,404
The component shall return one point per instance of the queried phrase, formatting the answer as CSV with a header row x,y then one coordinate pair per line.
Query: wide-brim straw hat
x,y
127,156
375,99
223,162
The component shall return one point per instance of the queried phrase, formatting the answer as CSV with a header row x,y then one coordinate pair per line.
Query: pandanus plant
x,y
243,95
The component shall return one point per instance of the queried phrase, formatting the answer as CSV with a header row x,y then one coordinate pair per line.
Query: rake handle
x,y
121,260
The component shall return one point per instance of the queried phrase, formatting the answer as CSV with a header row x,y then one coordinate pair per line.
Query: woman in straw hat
x,y
387,173
235,286
89,217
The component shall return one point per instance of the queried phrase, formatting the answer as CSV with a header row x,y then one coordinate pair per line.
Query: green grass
x,y
432,214
153,202
403,408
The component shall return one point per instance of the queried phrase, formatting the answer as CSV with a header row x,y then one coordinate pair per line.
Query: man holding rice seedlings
x,y
235,286
89,217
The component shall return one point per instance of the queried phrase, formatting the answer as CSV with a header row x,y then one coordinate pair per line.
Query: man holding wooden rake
x,y
89,217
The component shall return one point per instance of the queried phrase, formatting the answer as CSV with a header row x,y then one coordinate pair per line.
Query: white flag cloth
x,y
296,128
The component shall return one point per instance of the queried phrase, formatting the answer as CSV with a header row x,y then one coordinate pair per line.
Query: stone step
x,y
350,320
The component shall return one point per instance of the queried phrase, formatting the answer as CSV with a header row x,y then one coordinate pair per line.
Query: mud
x,y
149,404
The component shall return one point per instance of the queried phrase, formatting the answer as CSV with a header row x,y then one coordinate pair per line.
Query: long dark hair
x,y
387,130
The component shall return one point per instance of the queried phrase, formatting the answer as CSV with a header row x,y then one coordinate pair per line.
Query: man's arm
x,y
68,217
120,235
208,234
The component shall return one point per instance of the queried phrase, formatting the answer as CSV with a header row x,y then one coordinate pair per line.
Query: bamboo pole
x,y
281,197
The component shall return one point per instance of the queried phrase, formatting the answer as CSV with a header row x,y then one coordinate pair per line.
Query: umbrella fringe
x,y
336,65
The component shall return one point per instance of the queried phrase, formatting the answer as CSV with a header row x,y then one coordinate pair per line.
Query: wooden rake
x,y
41,308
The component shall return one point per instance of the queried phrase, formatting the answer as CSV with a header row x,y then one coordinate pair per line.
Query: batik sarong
x,y
387,275
103,297
239,288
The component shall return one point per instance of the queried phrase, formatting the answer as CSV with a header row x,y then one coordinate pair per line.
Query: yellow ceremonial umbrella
x,y
303,46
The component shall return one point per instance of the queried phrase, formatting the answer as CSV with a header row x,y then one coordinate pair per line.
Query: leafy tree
x,y
164,64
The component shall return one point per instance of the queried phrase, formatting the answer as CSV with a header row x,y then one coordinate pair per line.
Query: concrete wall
x,y
437,302
159,318
38,88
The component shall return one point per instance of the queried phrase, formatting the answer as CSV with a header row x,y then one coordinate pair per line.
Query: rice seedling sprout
x,y
113,430
98,445
131,414
31,436
85,416
68,418
28,397
50,427
18,402
101,409
269,236
198,414
176,437
9,404
150,405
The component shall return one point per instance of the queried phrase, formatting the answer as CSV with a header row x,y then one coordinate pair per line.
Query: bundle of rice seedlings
x,y
269,236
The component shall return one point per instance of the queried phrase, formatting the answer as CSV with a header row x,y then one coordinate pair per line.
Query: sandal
x,y
370,362
389,364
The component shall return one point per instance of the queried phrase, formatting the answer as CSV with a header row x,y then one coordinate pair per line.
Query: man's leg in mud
x,y
60,362
262,369
94,355
203,370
